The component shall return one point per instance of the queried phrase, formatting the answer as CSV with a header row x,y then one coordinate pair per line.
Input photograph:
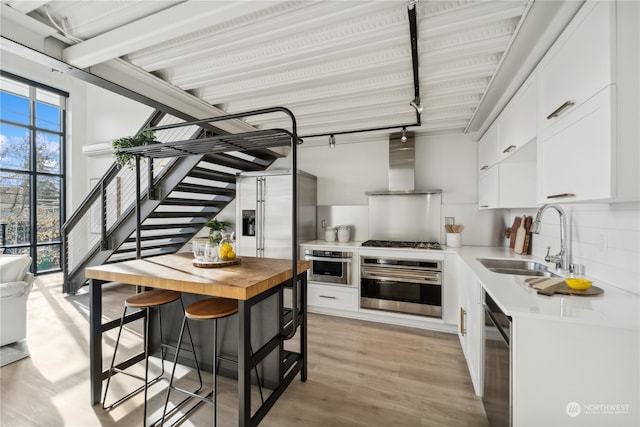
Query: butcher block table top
x,y
242,281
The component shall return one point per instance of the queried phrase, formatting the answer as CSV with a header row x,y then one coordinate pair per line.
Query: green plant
x,y
145,137
215,229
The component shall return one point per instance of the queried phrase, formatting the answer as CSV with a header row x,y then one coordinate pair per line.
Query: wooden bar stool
x,y
208,309
146,301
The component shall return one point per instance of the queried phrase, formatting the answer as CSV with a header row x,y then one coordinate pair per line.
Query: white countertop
x,y
615,308
336,244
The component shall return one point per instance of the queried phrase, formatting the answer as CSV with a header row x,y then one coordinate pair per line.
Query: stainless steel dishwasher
x,y
497,365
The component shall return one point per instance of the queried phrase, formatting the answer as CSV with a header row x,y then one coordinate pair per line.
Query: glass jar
x,y
226,248
344,233
330,234
199,247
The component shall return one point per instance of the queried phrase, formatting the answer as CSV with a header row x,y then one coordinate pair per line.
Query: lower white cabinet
x,y
332,297
570,374
471,325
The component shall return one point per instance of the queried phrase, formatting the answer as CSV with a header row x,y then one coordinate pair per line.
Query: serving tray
x,y
215,264
559,286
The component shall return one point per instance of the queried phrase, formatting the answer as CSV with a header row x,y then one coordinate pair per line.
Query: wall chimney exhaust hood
x,y
402,160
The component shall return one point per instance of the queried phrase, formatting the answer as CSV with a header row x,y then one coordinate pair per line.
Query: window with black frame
x,y
32,173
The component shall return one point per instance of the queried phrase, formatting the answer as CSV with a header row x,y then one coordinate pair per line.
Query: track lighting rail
x,y
415,102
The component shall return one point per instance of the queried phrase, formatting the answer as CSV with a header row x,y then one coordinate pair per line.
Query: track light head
x,y
415,103
332,141
403,138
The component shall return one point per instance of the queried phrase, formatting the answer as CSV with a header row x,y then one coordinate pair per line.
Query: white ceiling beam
x,y
9,16
268,60
158,28
26,6
309,18
124,74
318,96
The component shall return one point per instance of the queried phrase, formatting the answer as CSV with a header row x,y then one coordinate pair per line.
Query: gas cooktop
x,y
401,244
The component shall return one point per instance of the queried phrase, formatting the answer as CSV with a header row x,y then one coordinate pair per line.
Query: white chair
x,y
15,284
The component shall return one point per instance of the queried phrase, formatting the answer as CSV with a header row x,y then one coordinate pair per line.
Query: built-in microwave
x,y
332,267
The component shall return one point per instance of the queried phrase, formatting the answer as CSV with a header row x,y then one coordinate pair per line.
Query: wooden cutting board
x,y
546,286
528,221
520,234
514,231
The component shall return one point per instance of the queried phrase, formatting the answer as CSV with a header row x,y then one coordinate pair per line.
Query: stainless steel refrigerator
x,y
264,212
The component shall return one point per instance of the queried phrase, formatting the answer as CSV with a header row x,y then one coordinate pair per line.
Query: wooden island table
x,y
250,282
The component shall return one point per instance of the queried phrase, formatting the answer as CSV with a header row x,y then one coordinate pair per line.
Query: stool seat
x,y
146,301
212,308
152,298
207,309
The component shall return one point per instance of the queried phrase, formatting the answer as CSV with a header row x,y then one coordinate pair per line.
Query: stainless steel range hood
x,y
402,161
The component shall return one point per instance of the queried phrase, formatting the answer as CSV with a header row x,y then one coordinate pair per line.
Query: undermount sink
x,y
517,266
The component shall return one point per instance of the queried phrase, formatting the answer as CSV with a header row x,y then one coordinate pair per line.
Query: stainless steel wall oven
x,y
332,267
401,285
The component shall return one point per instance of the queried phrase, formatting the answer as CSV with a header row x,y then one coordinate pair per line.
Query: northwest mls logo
x,y
573,409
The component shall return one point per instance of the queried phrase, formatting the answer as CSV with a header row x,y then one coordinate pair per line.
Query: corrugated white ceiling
x,y
338,65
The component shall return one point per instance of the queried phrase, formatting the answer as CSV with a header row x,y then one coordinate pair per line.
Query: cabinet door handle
x,y
560,109
509,148
327,296
484,168
463,330
557,196
484,206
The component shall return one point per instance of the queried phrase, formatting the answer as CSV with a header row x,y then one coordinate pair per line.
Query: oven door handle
x,y
314,258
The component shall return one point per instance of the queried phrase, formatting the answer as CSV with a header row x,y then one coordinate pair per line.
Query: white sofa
x,y
15,284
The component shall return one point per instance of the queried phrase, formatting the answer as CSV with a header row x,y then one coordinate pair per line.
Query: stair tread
x,y
204,189
202,214
193,202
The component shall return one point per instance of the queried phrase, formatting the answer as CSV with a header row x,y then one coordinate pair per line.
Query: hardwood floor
x,y
360,374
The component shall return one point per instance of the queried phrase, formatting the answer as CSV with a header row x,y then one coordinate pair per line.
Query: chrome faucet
x,y
561,258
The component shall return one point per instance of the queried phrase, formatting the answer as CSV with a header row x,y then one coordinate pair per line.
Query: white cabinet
x,y
555,363
576,159
506,153
585,152
332,297
517,182
517,122
488,148
471,324
488,189
579,64
511,183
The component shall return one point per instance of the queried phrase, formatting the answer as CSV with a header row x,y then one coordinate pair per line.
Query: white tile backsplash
x,y
604,240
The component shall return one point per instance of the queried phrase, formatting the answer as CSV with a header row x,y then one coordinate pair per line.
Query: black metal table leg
x,y
303,326
95,340
244,364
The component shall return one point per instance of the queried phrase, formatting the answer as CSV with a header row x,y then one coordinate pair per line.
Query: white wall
x,y
446,162
109,116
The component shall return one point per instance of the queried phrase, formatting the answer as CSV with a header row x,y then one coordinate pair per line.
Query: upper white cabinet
x,y
518,120
506,154
488,188
584,152
488,148
579,64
